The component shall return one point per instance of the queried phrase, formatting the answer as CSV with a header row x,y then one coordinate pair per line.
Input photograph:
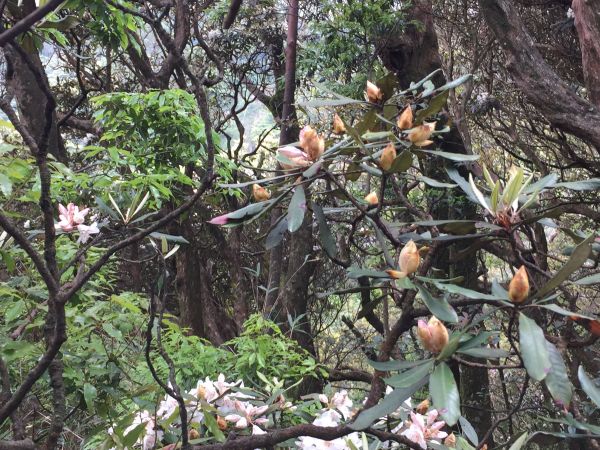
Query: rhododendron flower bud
x,y
338,125
193,434
396,274
420,135
450,441
423,407
221,423
387,157
295,157
405,120
372,199
518,289
373,93
433,334
409,258
259,193
311,143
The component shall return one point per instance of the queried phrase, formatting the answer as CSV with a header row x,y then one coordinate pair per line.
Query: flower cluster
x,y
337,407
233,408
237,410
71,218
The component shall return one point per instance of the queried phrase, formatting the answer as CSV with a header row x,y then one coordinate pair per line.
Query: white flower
x,y
339,401
86,231
70,216
246,414
570,14
329,418
27,224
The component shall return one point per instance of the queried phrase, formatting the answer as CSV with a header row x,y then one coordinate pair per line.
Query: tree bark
x,y
587,22
536,79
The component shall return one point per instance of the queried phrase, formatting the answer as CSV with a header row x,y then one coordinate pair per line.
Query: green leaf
x,y
131,438
468,430
296,209
169,237
468,293
444,393
533,348
5,185
439,307
560,310
451,347
356,272
388,405
557,380
402,162
410,377
590,279
386,366
588,385
584,185
455,83
275,236
485,352
518,444
460,157
89,394
435,106
577,259
435,183
325,236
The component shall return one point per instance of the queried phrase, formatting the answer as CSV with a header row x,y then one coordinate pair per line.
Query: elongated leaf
x,y
479,195
562,311
417,85
533,348
557,381
296,209
459,157
435,106
584,185
468,430
356,272
464,184
275,236
435,183
388,405
518,444
542,183
577,259
444,393
89,395
325,236
402,162
410,377
169,238
386,366
588,385
439,307
468,293
485,352
590,279
455,83
477,341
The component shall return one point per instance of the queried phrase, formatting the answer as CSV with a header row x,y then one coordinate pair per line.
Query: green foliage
x,y
343,47
263,352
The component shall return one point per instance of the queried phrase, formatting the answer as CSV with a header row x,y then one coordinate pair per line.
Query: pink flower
x,y
219,220
70,216
420,431
294,156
